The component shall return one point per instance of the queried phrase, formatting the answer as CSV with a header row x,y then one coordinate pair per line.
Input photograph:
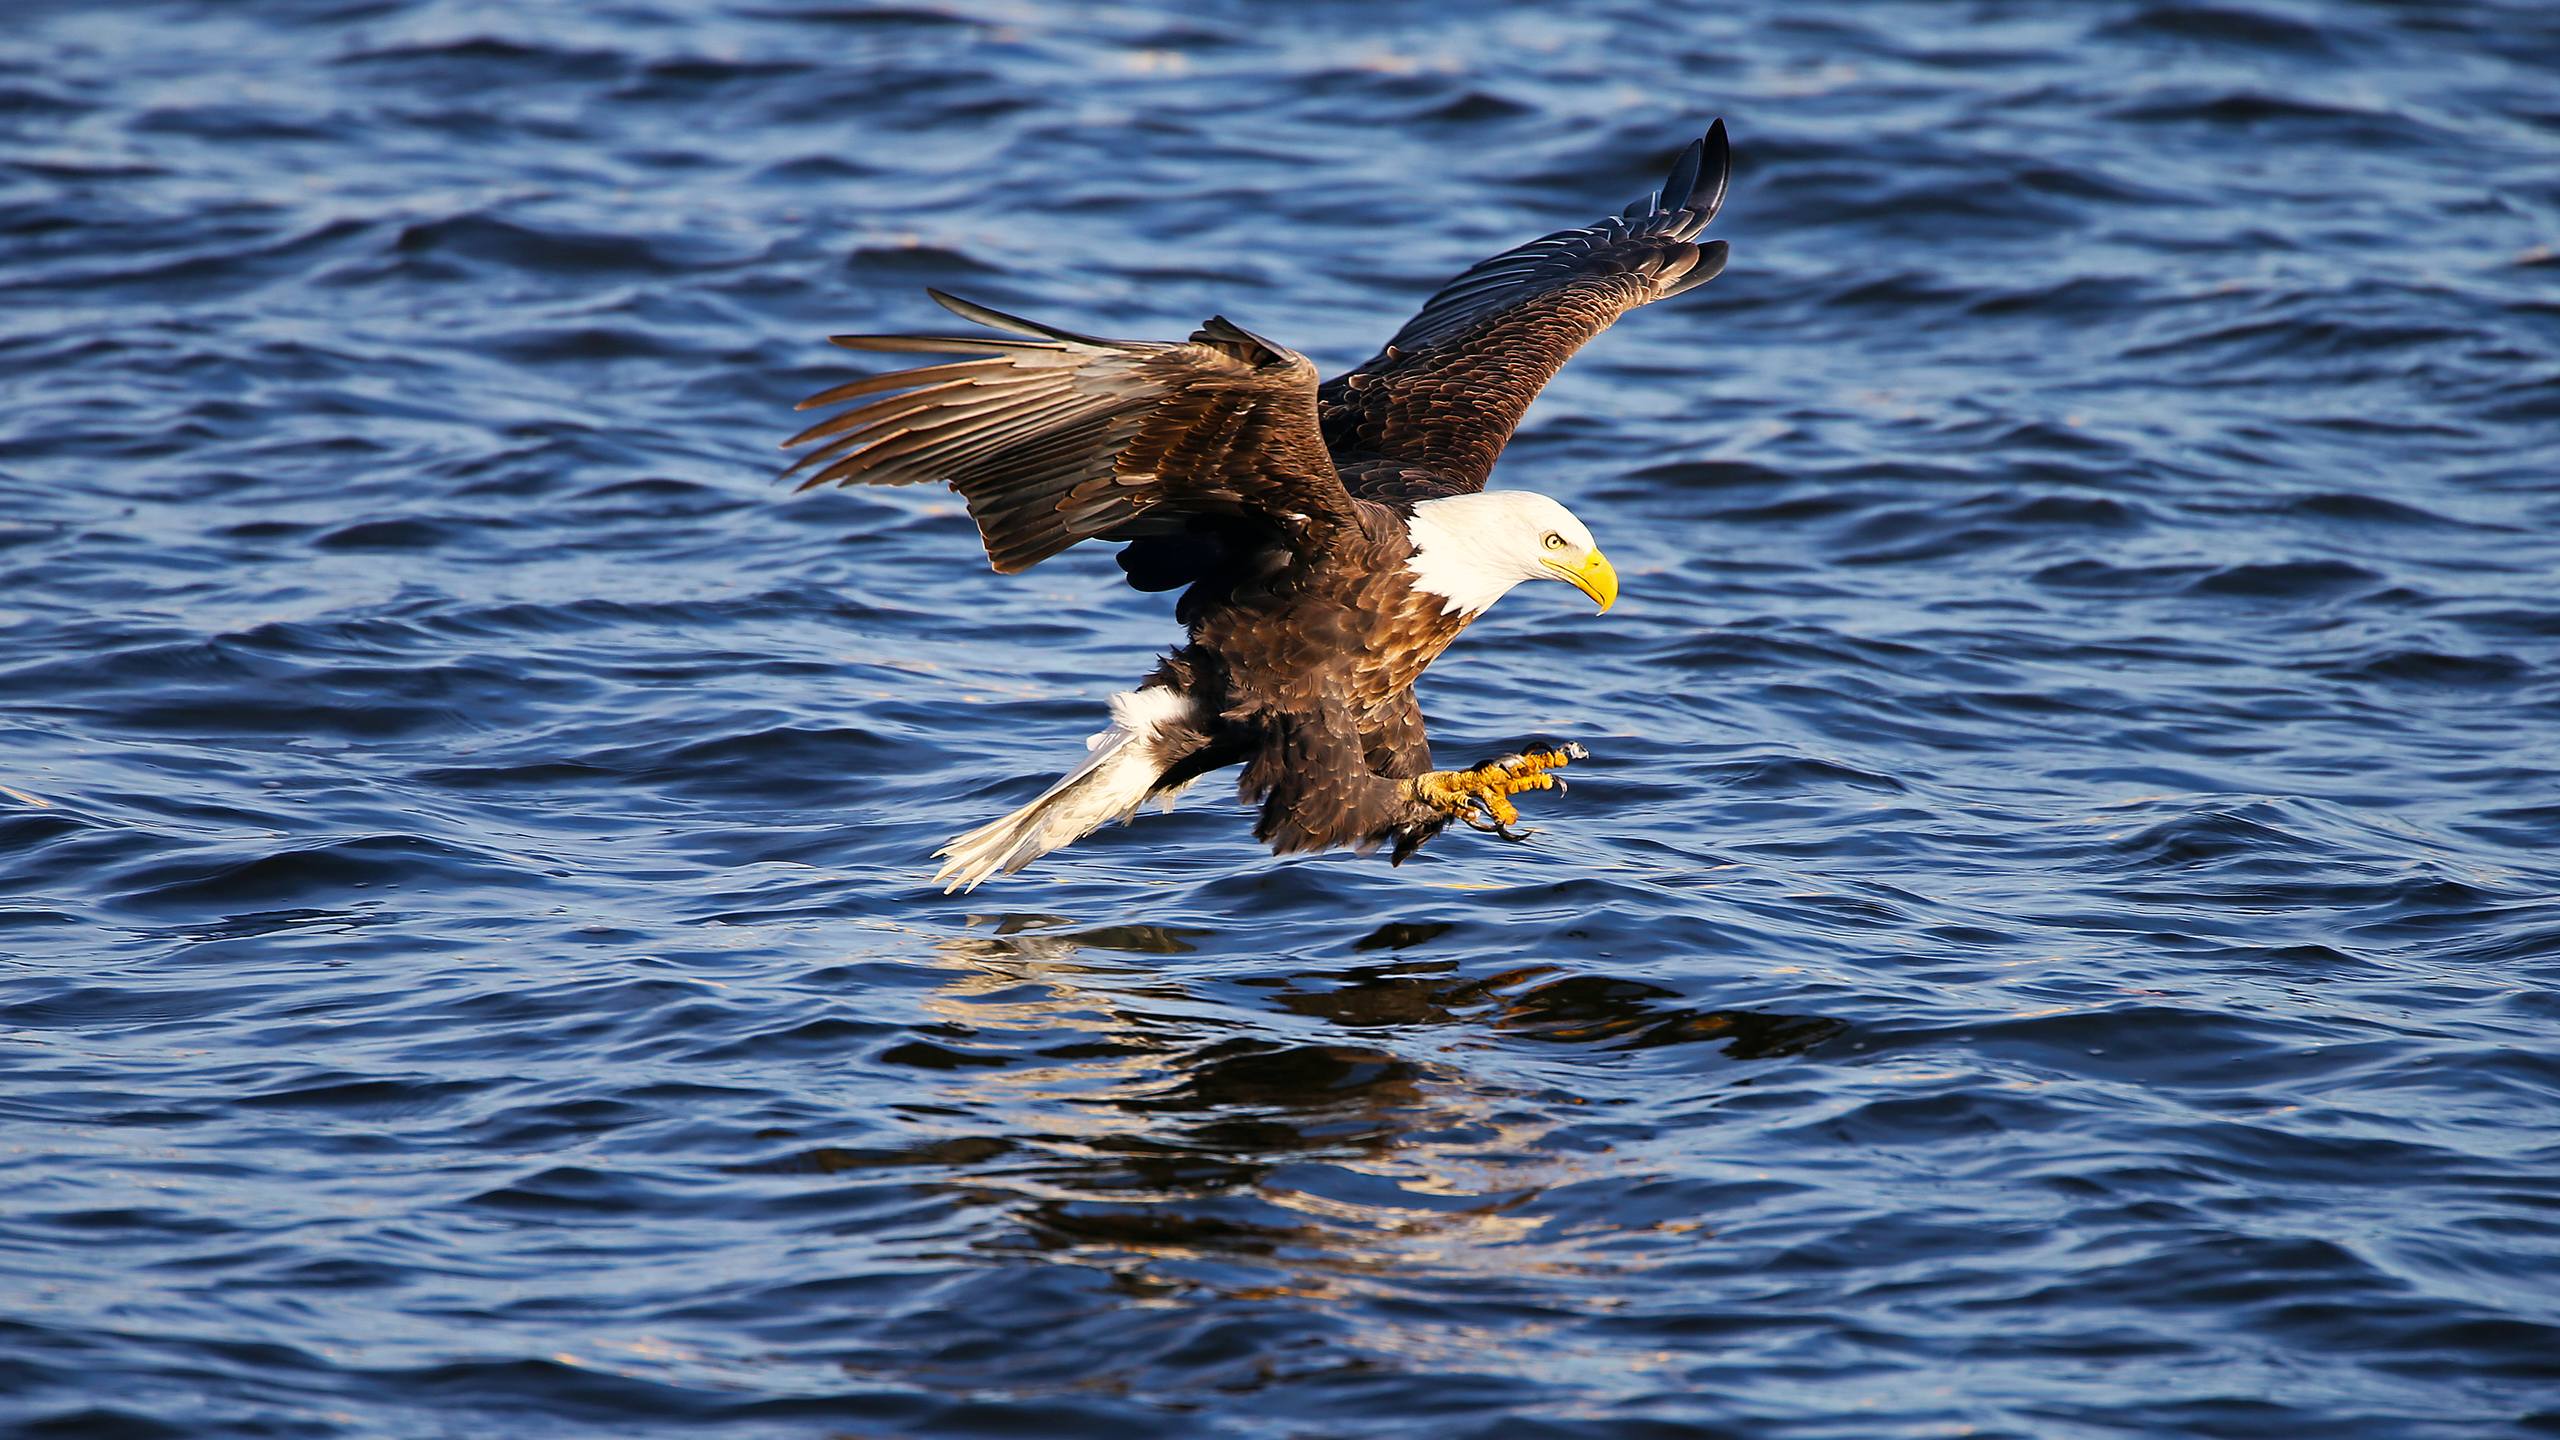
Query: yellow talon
x,y
1487,789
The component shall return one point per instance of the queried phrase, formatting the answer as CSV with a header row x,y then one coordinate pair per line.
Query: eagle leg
x,y
1481,797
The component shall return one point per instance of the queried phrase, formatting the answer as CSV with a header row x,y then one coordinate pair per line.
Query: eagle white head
x,y
1471,549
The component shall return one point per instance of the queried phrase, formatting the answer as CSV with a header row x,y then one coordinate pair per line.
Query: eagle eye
x,y
1554,541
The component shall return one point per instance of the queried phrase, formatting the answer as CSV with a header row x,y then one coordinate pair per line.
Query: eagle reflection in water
x,y
1383,1129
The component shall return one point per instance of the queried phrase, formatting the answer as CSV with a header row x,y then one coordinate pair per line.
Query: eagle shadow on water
x,y
1329,540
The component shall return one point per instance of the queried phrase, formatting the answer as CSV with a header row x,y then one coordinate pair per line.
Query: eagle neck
x,y
1456,554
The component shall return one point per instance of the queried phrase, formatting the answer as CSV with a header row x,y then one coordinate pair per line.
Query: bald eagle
x,y
1329,540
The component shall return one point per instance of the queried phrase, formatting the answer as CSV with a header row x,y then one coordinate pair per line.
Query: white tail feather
x,y
1116,778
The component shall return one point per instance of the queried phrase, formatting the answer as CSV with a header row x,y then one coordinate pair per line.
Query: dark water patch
x,y
2217,25
325,872
403,534
2532,823
23,100
885,17
1795,510
2260,113
1790,648
535,249
782,760
818,170
880,261
1897,293
565,1190
2535,402
2247,837
231,124
1404,934
1619,1014
554,346
14,916
361,1097
233,264
1796,772
2290,341
26,829
106,1422
2083,297
836,1160
658,497
1478,106
1254,1075
2066,437
2068,512
693,78
2353,508
480,61
926,1055
2386,425
2289,579
2434,668
1682,474
2105,578
84,1007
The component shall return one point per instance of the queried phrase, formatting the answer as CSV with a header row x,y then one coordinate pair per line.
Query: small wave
x,y
323,874
523,245
2221,25
2360,509
480,60
918,258
2437,668
2287,579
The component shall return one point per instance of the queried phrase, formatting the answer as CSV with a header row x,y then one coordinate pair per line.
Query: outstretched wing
x,y
1057,437
1430,412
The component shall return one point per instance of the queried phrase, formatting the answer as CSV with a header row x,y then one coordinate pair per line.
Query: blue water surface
x,y
2060,937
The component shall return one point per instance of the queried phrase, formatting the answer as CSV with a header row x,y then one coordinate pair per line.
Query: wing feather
x,y
958,433
1430,412
894,380
1059,437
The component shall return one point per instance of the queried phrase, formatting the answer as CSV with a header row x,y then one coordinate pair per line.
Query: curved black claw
x,y
1478,817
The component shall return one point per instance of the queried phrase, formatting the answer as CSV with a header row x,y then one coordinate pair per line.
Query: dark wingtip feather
x,y
1708,265
1715,172
932,344
1228,336
1684,178
1013,324
992,319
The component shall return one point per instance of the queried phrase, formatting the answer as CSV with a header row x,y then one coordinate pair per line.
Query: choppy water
x,y
2062,938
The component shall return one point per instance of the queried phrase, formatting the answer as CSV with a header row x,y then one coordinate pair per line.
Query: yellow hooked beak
x,y
1594,577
